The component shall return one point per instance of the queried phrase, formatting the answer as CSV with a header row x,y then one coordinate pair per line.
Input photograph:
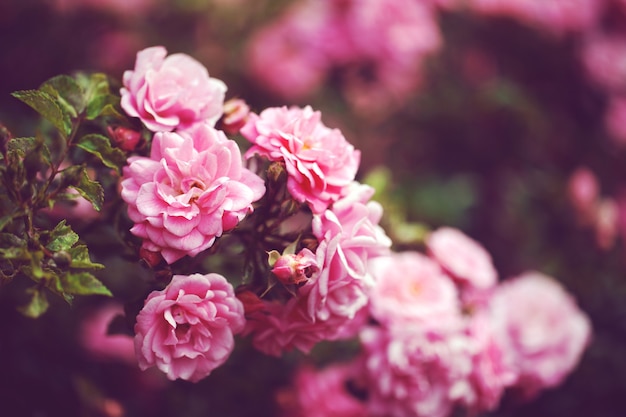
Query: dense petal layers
x,y
186,330
191,189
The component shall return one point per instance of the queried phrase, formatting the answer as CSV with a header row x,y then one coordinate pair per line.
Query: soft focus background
x,y
504,118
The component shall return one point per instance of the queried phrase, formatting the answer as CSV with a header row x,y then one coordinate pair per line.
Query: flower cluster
x,y
433,345
293,195
378,47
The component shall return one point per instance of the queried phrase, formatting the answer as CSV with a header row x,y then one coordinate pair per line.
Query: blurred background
x,y
504,118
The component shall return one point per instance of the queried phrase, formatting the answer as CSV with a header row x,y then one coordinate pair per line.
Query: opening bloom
x,y
320,162
544,330
191,189
172,92
186,330
462,257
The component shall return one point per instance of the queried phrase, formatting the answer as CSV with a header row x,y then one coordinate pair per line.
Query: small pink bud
x,y
236,113
295,269
606,223
126,139
583,189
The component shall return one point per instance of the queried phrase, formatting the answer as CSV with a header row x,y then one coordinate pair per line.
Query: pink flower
x,y
410,287
295,269
191,189
543,328
236,113
555,16
172,92
415,370
493,368
615,119
186,330
321,393
320,163
584,192
280,328
462,257
281,57
95,337
349,237
604,58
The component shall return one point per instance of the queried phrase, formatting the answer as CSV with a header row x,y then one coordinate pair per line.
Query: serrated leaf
x,y
67,92
37,305
80,258
18,148
62,237
100,146
96,87
48,107
83,283
91,190
104,105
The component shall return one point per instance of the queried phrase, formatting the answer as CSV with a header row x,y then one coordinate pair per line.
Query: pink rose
x,y
172,92
462,257
321,393
186,330
320,163
410,287
191,189
279,328
349,237
545,332
416,370
493,369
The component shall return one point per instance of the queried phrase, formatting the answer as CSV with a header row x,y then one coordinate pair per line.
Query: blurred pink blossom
x,y
466,260
410,287
416,371
584,192
191,189
544,330
606,223
186,330
554,16
173,92
121,7
615,119
349,237
95,338
282,56
321,393
279,328
604,58
320,162
493,369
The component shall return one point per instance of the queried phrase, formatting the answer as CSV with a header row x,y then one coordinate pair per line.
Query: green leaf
x,y
91,190
80,258
37,305
48,107
100,146
105,105
83,283
62,237
96,87
18,148
67,92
